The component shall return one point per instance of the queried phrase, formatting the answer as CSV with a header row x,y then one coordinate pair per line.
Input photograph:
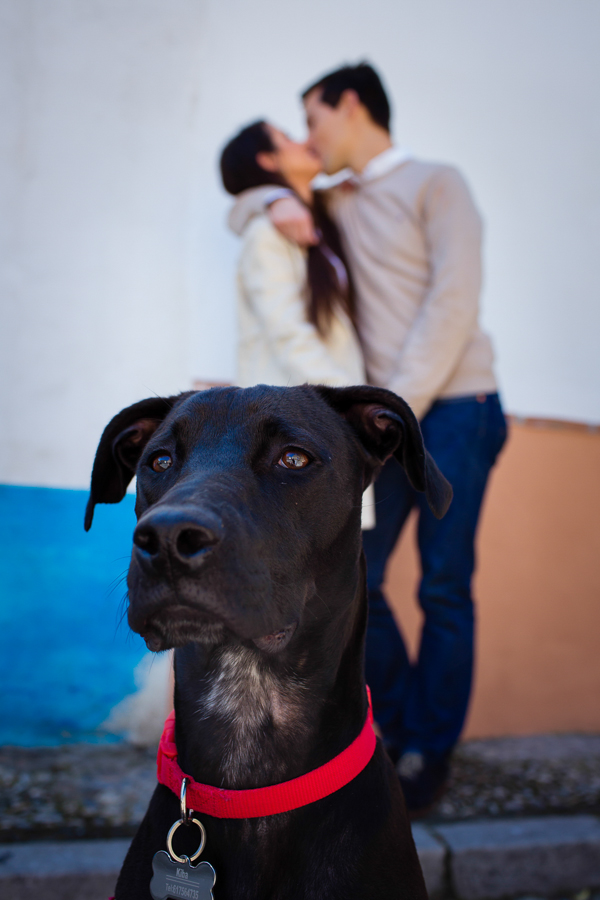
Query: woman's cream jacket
x,y
276,342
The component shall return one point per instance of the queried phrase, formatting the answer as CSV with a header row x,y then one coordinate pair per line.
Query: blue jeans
x,y
422,706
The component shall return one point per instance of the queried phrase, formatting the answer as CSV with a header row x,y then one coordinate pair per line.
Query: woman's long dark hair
x,y
240,171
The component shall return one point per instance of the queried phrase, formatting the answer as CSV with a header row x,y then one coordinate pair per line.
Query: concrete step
x,y
61,870
485,860
542,855
432,855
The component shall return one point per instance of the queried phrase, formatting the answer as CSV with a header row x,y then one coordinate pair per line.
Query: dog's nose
x,y
167,533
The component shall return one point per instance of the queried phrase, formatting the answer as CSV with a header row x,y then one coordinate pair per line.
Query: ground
x,y
99,791
85,790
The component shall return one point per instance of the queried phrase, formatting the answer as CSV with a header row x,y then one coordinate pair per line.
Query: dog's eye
x,y
162,462
294,459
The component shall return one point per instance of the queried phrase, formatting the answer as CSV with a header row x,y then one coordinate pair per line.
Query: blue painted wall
x,y
66,656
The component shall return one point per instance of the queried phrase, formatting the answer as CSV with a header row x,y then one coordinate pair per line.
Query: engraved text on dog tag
x,y
181,879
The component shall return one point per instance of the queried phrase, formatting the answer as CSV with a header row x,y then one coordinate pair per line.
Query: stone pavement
x,y
74,791
524,776
521,819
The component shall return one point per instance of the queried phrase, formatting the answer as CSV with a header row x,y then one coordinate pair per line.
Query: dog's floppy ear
x,y
386,426
120,448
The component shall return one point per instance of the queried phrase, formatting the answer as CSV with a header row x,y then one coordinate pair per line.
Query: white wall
x,y
115,263
98,141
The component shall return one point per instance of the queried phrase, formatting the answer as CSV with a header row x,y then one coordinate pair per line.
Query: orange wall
x,y
537,587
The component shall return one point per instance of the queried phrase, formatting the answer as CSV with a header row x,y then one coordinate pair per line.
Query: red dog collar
x,y
276,798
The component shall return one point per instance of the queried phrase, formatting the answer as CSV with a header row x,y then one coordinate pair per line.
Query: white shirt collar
x,y
382,164
323,182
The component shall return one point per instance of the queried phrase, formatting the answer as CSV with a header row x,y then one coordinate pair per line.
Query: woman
x,y
295,306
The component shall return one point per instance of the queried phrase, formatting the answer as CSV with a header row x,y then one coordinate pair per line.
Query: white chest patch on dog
x,y
248,698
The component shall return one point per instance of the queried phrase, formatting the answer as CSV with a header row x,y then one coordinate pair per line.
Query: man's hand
x,y
294,221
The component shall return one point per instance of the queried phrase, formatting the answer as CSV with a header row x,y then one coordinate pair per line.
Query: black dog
x,y
247,558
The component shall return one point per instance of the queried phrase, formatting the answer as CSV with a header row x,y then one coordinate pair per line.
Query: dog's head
x,y
249,503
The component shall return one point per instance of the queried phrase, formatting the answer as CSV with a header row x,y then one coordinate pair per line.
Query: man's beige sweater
x,y
413,241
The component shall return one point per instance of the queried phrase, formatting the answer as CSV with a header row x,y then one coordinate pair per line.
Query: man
x,y
412,237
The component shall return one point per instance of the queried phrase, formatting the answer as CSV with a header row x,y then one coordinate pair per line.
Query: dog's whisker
x,y
122,615
116,582
324,602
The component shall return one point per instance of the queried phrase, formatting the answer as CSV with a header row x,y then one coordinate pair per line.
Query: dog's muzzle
x,y
173,600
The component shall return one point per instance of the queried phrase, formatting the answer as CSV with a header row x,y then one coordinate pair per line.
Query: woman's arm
x,y
289,215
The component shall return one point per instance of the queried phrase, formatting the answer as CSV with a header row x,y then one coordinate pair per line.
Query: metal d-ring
x,y
182,801
186,819
174,828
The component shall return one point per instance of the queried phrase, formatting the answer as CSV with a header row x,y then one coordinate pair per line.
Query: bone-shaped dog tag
x,y
181,879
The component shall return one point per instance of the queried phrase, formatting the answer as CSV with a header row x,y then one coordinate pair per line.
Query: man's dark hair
x,y
365,81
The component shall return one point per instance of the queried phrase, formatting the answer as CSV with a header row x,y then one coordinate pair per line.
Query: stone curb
x,y
506,857
432,855
485,860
